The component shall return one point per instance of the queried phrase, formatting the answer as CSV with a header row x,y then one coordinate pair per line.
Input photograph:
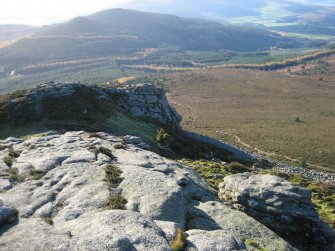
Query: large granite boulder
x,y
65,182
285,208
213,215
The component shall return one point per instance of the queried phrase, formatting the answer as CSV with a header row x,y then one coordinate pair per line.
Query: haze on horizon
x,y
42,12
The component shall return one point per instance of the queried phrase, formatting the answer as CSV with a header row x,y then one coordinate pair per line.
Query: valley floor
x,y
288,116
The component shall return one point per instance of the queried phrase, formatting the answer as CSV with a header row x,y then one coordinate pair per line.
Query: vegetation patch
x,y
323,197
92,148
235,167
107,152
120,146
116,202
255,244
113,176
36,174
14,175
48,220
113,179
179,243
214,172
164,138
285,63
12,153
9,157
96,135
8,160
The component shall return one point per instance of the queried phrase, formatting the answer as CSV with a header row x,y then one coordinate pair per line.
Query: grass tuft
x,y
209,169
254,244
48,220
180,242
113,176
36,174
120,146
115,202
235,167
107,152
164,138
15,176
8,160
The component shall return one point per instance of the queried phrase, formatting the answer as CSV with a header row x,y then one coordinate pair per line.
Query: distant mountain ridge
x,y
157,30
119,31
264,12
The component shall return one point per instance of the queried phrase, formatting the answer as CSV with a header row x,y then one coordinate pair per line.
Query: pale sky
x,y
40,12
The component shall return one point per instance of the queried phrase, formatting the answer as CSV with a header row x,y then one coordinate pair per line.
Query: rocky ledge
x,y
83,102
84,191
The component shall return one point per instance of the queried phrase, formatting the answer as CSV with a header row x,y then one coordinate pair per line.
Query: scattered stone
x,y
182,181
5,184
129,139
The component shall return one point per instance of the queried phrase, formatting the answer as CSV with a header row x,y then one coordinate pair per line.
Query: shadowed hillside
x,y
122,31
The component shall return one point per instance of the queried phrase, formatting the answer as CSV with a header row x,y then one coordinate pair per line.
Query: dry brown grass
x,y
180,242
261,109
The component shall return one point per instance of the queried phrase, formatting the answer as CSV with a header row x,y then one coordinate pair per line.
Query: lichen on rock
x,y
161,197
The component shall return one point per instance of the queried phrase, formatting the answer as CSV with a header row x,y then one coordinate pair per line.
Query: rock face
x,y
51,101
285,208
148,101
65,185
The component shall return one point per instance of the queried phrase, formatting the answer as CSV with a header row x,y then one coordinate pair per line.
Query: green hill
x,y
120,31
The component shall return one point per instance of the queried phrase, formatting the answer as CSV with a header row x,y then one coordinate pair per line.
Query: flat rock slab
x,y
218,240
63,188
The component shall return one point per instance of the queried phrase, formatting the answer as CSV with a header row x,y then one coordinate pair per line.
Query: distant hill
x,y
262,12
12,31
118,31
201,8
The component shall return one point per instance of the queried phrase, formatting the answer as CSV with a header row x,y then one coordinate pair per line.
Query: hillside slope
x,y
120,31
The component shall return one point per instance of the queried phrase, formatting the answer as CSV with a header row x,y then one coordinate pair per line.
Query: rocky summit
x,y
110,168
86,104
84,191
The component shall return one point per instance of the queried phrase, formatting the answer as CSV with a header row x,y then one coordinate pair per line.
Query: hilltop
x,y
111,168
